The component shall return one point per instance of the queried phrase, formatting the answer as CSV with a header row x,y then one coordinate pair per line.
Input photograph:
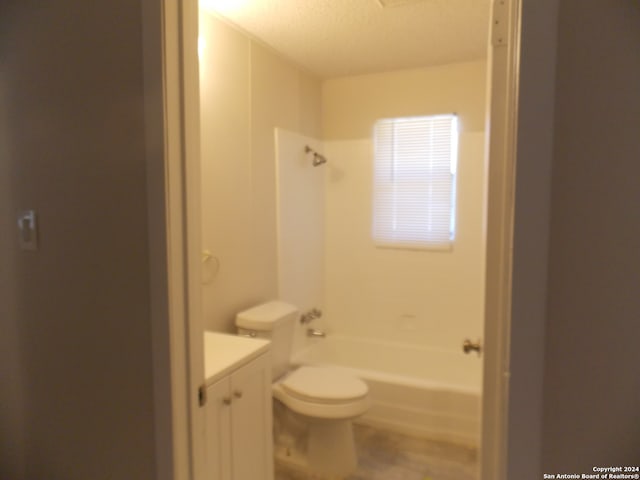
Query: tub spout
x,y
312,332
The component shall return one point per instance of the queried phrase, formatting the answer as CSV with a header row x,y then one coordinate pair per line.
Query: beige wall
x,y
428,298
75,355
352,104
592,386
240,109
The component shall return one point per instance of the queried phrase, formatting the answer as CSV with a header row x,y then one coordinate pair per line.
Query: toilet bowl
x,y
326,399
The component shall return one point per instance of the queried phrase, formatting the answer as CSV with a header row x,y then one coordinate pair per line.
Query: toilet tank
x,y
275,321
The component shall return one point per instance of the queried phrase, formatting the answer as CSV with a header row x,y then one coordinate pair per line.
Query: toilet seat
x,y
323,392
324,385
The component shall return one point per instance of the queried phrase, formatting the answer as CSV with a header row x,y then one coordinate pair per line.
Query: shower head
x,y
317,158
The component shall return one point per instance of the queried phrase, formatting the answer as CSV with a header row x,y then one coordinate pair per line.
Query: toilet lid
x,y
324,384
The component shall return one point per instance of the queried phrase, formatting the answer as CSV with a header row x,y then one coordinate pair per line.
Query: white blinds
x,y
414,181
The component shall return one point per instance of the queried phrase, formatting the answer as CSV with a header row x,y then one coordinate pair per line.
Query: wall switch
x,y
28,230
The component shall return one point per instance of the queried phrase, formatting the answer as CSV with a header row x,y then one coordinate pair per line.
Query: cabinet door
x,y
218,418
251,420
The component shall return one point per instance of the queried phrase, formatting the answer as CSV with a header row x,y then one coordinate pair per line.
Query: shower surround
x,y
396,317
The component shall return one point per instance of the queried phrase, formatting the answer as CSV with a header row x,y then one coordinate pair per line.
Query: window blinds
x,y
414,181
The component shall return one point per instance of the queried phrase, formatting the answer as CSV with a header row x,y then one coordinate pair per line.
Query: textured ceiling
x,y
335,38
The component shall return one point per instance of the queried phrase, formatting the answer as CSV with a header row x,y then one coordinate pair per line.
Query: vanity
x,y
238,407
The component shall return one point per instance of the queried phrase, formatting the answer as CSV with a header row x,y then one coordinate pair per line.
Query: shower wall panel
x,y
300,220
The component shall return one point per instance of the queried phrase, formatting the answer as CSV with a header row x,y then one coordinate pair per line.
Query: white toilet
x,y
326,398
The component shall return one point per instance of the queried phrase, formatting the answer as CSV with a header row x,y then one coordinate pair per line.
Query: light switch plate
x,y
28,230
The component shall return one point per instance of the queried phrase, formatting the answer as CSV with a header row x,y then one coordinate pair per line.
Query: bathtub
x,y
414,390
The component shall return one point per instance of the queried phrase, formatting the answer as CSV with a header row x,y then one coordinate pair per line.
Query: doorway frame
x,y
521,127
502,113
172,142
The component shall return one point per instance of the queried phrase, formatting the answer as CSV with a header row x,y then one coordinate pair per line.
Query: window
x,y
415,182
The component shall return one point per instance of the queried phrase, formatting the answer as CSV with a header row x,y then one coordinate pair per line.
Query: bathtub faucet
x,y
312,332
310,315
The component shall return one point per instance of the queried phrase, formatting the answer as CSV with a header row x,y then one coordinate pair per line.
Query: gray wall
x,y
592,368
75,348
530,253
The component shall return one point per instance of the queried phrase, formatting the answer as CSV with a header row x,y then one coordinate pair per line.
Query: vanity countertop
x,y
224,352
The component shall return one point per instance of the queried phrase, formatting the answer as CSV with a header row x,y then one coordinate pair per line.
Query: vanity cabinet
x,y
238,413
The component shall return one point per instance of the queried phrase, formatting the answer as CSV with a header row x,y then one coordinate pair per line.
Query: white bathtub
x,y
415,390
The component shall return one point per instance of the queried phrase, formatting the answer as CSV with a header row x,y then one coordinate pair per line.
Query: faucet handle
x,y
312,314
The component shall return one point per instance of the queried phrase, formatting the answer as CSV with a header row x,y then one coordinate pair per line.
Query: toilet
x,y
326,399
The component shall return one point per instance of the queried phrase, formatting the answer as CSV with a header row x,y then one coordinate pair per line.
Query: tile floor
x,y
385,455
